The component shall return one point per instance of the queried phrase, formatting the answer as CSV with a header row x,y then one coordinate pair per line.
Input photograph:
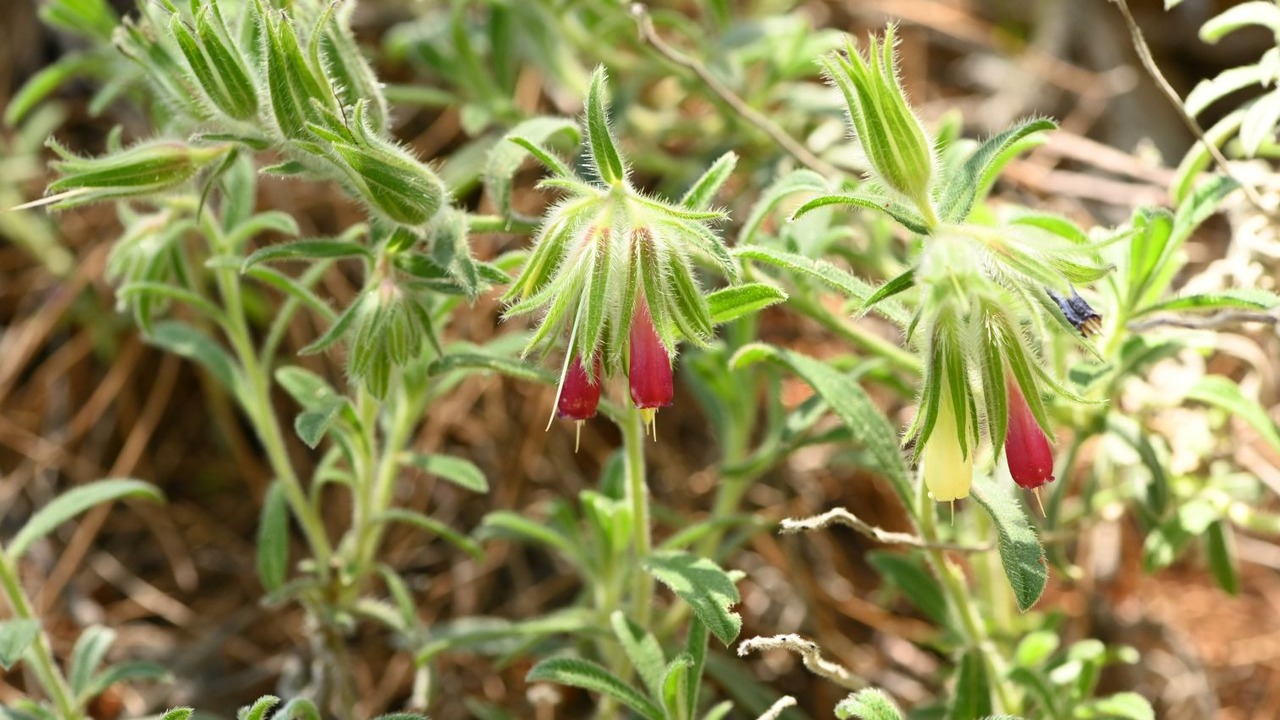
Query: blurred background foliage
x,y
81,397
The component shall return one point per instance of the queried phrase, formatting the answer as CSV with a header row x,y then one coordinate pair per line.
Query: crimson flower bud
x,y
579,396
1025,445
649,373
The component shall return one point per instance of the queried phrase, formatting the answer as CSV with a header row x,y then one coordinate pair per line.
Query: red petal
x,y
1025,445
650,369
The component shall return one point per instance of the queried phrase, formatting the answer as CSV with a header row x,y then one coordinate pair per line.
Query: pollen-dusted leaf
x,y
707,588
869,704
703,192
591,677
851,404
604,150
736,301
506,157
1020,551
15,635
273,538
459,471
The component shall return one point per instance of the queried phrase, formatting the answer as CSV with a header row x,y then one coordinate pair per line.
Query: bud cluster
x,y
611,274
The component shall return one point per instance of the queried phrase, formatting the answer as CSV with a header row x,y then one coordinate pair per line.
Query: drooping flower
x,y
649,370
947,468
579,395
1025,445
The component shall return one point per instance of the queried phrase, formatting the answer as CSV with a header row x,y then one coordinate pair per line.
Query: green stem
x,y
855,335
953,586
41,654
255,398
378,493
633,438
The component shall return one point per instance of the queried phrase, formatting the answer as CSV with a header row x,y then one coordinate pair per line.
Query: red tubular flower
x,y
650,370
579,396
1025,445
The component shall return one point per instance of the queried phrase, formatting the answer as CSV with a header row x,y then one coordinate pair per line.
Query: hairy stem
x,y
41,654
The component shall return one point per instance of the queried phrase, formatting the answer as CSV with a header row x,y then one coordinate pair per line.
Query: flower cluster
x,y
611,274
983,287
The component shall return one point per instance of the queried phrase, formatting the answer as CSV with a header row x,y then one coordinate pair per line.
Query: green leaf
x,y
916,583
1258,12
905,216
1121,706
1198,157
433,526
1200,206
1259,123
506,157
674,685
507,524
1020,551
734,302
782,188
604,150
1221,392
849,401
90,648
273,538
979,171
593,678
259,709
703,585
42,84
312,424
73,502
317,249
703,192
971,699
642,650
1220,547
903,282
456,470
15,635
869,704
1242,299
186,341
852,287
181,713
498,636
482,362
124,672
1036,647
